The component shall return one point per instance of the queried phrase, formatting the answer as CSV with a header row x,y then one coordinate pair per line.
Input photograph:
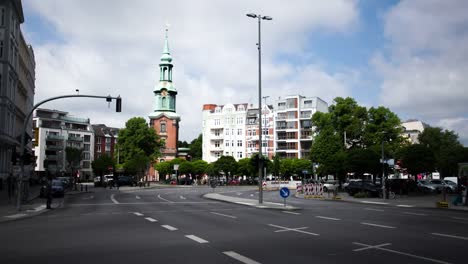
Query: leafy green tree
x,y
199,167
324,148
185,168
287,168
362,161
301,165
350,118
196,148
138,145
164,168
445,147
276,165
245,167
417,159
226,164
101,165
182,144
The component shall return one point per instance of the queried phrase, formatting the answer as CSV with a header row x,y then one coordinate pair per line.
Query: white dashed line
x,y
383,226
225,215
459,218
181,197
418,214
451,236
404,205
138,214
137,197
151,219
251,194
240,258
197,239
373,209
15,215
328,218
166,200
168,227
113,199
289,212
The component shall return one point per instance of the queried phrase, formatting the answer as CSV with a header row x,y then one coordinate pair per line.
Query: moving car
x,y
364,186
57,189
330,185
127,181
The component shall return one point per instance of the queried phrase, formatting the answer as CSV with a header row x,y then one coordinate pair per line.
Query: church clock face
x,y
164,93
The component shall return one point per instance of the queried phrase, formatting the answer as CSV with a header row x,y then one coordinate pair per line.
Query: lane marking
x,y
293,229
151,219
451,236
288,212
168,227
166,200
137,197
197,239
372,202
88,198
225,215
113,199
411,213
459,218
15,215
138,214
37,209
251,194
369,247
240,258
328,218
383,226
373,209
402,253
239,193
181,197
404,205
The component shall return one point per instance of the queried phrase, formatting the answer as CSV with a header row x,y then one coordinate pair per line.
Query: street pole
x,y
383,173
260,161
23,132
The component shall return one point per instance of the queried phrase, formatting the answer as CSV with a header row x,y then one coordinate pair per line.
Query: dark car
x,y
127,181
57,188
364,186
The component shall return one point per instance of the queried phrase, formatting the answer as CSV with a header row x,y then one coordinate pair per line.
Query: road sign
x,y
284,192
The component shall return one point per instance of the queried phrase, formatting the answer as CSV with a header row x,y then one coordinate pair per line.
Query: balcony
x,y
306,116
54,147
51,157
75,119
75,138
55,137
52,167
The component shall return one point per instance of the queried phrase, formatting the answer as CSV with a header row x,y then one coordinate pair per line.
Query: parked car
x,y
67,181
127,181
364,186
330,185
104,182
440,185
57,189
425,186
451,187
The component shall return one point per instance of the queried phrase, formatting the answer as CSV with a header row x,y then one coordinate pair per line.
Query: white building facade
x,y
413,128
224,131
54,132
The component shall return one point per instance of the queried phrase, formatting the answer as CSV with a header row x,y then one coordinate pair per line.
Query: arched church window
x,y
163,128
164,102
164,73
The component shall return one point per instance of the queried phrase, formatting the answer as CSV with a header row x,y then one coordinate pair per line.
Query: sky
x,y
409,56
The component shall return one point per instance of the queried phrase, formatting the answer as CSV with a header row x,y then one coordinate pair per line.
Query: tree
x,y
348,117
445,147
196,148
417,159
245,167
287,168
226,164
102,164
138,145
164,168
276,165
185,168
182,144
362,161
302,165
199,167
324,149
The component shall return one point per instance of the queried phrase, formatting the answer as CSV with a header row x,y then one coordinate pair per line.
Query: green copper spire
x,y
166,56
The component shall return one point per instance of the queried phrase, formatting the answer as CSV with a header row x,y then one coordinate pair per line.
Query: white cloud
x,y
113,47
424,67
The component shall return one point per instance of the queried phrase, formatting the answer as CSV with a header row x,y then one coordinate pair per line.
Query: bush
x,y
360,195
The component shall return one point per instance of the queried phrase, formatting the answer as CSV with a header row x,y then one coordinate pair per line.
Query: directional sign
x,y
284,192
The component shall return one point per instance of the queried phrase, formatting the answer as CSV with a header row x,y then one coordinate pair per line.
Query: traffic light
x,y
118,105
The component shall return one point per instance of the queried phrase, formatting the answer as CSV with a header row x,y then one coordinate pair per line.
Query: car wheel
x,y
325,189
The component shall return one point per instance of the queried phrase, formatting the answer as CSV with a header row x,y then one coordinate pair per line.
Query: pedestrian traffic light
x,y
118,105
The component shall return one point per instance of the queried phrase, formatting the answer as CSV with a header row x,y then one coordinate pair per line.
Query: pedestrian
x,y
49,193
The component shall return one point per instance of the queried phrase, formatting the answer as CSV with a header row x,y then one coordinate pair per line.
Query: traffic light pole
x,y
25,123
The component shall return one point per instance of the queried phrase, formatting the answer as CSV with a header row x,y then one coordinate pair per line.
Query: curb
x,y
249,202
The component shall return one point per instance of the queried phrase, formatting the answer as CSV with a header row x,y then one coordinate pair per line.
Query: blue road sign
x,y
284,192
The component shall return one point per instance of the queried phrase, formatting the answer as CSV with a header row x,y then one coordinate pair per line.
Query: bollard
x,y
81,187
86,188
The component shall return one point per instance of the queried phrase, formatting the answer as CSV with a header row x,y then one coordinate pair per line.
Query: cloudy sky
x,y
410,56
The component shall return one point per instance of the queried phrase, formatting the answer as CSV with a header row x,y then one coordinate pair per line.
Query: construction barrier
x,y
276,185
312,190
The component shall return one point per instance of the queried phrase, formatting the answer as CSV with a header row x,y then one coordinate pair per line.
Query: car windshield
x,y
56,183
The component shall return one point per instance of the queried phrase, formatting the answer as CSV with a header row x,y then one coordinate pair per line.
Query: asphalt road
x,y
177,225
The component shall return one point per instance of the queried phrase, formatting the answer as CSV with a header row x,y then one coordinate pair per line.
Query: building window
x,y
163,128
217,144
2,17
217,132
232,143
254,132
240,120
239,143
98,148
239,132
264,144
239,154
108,140
265,132
99,140
86,147
86,164
217,154
217,122
108,147
87,138
227,143
226,132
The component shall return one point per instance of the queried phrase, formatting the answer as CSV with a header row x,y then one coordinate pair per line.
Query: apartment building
x,y
223,131
55,131
17,77
293,126
252,132
105,139
413,128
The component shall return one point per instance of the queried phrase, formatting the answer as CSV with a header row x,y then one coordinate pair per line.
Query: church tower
x,y
164,118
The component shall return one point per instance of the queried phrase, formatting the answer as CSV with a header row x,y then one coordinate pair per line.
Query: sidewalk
x,y
416,201
249,202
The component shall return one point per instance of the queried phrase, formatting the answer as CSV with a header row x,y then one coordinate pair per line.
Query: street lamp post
x,y
260,163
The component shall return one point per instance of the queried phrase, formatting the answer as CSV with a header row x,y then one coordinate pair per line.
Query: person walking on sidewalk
x,y
49,193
